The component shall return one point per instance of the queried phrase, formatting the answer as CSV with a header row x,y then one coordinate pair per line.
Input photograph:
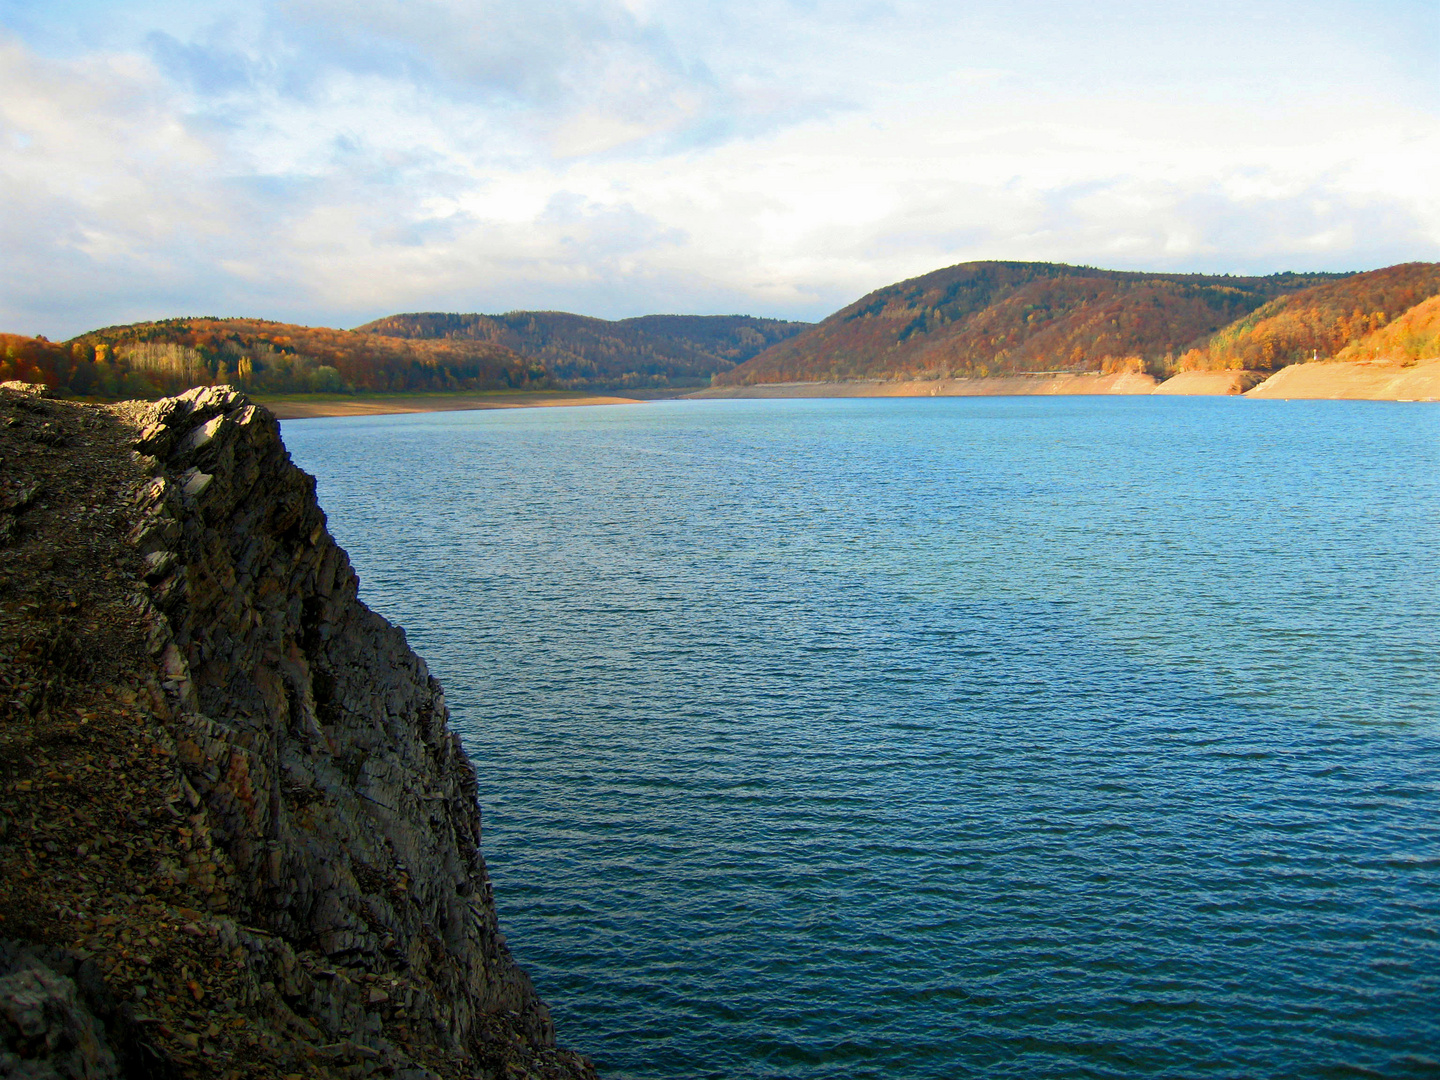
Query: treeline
x,y
36,360
1318,323
1413,336
425,352
152,359
1000,318
994,318
583,352
976,319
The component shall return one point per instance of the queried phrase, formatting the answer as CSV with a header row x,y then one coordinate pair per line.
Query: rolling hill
x,y
1000,318
1411,337
404,353
583,352
973,320
144,359
1324,321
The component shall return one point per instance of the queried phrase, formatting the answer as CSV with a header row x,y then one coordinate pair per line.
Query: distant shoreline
x,y
315,406
1316,381
1326,380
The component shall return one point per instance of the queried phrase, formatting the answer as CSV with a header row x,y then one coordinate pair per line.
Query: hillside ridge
x,y
431,352
1011,318
580,350
1322,322
970,321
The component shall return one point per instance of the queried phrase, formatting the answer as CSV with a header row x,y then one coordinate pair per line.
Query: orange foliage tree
x,y
1322,322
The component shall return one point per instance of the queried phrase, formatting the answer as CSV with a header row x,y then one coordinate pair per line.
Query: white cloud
x,y
330,162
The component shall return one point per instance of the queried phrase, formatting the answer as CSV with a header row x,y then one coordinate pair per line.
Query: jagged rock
x,y
46,1029
313,878
19,387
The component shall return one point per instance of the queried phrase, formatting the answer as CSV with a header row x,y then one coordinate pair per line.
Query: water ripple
x,y
938,737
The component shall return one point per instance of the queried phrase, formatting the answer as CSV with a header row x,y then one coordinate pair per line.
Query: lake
x,y
938,737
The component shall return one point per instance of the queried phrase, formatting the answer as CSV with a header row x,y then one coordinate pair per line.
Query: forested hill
x,y
579,351
432,352
172,355
993,318
1412,337
975,319
1325,321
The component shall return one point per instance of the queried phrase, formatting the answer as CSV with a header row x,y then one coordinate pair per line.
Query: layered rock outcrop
x,y
315,850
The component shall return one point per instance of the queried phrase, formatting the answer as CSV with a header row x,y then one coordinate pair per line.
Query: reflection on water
x,y
938,737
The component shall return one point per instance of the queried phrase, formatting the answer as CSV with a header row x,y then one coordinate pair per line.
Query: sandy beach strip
x,y
1362,382
1333,380
1046,383
307,406
1210,383
1368,381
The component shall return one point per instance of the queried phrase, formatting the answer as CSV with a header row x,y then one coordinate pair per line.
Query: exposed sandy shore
x,y
1367,382
306,406
1006,386
1379,382
1210,383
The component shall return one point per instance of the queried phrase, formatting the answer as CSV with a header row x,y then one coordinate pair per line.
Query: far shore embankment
x,y
1363,381
1323,380
308,406
1210,383
996,386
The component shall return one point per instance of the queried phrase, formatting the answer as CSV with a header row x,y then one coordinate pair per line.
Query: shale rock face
x,y
325,830
49,1025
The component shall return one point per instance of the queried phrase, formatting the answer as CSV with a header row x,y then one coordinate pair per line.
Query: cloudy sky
x,y
331,161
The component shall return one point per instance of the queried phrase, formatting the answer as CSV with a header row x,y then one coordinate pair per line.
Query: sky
x,y
328,162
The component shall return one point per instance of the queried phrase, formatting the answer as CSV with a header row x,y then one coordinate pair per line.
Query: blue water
x,y
1091,737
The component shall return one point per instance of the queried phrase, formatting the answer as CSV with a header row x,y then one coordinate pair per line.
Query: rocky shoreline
x,y
237,836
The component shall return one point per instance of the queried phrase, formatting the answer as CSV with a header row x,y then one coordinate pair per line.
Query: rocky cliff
x,y
237,836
